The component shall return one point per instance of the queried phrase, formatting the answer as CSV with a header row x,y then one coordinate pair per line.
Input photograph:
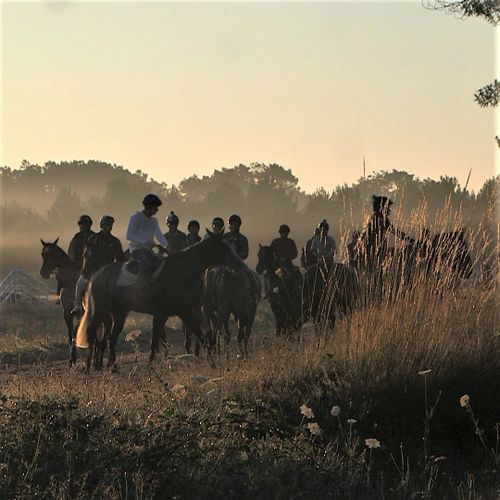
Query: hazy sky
x,y
175,89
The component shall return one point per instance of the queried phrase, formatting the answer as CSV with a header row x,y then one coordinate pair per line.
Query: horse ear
x,y
55,242
209,232
260,246
43,242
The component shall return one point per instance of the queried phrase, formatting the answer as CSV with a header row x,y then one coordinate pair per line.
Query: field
x,y
379,411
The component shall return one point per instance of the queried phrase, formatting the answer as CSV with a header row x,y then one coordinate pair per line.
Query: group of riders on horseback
x,y
319,289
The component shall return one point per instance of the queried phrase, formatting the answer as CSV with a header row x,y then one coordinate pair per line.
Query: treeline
x,y
45,201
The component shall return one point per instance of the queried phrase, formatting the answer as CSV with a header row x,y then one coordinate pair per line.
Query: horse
x,y
169,291
319,292
442,258
231,293
55,259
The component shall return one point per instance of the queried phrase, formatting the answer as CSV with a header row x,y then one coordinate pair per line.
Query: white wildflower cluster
x,y
314,428
279,272
372,443
306,411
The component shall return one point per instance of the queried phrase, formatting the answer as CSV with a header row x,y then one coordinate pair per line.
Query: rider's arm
x,y
293,250
159,235
244,248
132,228
331,246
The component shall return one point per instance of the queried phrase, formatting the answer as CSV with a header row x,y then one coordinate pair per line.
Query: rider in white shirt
x,y
142,230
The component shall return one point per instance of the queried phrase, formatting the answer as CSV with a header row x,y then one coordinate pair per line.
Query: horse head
x,y
266,260
52,258
90,258
220,252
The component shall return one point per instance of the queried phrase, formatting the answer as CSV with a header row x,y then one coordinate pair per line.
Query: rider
x,y
375,234
323,246
307,258
193,229
235,238
284,248
177,240
142,229
77,244
107,249
217,226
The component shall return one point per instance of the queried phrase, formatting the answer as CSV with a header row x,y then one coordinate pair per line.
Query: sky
x,y
176,89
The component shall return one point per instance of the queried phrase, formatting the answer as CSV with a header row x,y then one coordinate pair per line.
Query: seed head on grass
x,y
335,411
464,401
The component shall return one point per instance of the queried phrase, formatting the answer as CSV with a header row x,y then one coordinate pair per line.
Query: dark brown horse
x,y
57,261
319,292
171,290
231,293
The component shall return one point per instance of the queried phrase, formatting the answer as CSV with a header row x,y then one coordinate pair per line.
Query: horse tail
x,y
82,340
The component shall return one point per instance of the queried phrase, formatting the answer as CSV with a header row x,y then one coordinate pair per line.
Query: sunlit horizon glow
x,y
177,89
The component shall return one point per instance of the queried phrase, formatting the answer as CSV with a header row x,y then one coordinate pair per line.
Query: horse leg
x,y
158,335
187,339
92,340
68,318
103,341
118,323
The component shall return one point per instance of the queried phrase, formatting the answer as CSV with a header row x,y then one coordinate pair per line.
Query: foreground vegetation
x,y
376,412
401,400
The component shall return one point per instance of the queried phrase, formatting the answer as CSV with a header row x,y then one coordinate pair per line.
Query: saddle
x,y
132,270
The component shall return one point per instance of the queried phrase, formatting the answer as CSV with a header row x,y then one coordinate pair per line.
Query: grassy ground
x,y
375,412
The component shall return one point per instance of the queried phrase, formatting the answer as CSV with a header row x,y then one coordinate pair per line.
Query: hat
x,y
84,219
284,229
172,217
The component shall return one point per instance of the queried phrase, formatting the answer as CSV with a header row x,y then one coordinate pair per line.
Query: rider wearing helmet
x,y
323,246
193,229
106,249
142,230
177,240
77,244
284,248
235,238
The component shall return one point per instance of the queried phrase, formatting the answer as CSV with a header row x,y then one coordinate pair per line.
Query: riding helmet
x,y
324,225
84,219
151,199
234,218
218,221
106,219
172,217
193,223
284,229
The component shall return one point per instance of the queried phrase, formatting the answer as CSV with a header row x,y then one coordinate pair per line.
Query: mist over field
x,y
46,201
